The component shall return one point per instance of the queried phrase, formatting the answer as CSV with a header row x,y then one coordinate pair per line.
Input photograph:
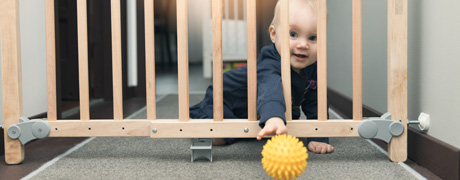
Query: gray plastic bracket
x,y
201,147
28,130
382,128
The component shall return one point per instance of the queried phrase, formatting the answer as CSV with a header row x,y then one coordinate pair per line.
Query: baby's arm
x,y
272,125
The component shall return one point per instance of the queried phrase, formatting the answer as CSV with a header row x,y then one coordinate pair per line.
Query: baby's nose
x,y
303,44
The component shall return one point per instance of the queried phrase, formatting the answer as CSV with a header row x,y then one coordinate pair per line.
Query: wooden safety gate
x,y
184,127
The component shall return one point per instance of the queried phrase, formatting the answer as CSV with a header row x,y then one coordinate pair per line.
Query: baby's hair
x,y
311,3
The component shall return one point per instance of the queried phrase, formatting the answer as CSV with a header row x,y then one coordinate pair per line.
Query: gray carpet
x,y
145,158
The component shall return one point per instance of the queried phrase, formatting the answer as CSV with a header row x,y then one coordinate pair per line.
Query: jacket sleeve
x,y
270,98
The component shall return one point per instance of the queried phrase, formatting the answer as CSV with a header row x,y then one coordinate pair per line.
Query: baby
x,y
270,99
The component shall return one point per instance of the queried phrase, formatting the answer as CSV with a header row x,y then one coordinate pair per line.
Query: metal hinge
x,y
28,130
384,128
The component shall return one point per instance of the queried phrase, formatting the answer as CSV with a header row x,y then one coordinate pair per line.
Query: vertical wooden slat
x,y
252,59
182,46
235,10
50,60
397,73
226,25
150,59
285,56
116,61
83,59
322,60
217,8
357,59
11,76
236,27
245,8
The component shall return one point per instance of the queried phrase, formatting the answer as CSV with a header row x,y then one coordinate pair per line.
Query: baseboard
x,y
437,156
2,142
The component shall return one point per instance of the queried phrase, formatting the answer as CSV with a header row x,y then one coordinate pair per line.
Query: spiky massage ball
x,y
284,157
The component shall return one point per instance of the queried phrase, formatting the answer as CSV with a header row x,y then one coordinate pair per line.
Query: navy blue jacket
x,y
270,98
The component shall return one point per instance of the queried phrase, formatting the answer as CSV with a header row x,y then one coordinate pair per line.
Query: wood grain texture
x,y
50,61
197,128
150,59
82,31
251,25
76,128
235,128
11,76
357,29
322,60
397,72
285,57
182,46
116,60
217,77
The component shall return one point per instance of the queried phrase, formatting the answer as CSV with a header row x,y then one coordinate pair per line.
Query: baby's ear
x,y
272,31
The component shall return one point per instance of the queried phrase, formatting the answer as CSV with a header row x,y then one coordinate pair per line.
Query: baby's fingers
x,y
281,131
261,134
265,131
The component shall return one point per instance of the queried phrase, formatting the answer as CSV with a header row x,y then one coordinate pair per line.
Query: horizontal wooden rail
x,y
197,128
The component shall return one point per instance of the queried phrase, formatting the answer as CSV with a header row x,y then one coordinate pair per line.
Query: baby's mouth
x,y
300,56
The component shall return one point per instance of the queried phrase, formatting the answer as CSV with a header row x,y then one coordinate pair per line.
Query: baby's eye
x,y
312,38
293,34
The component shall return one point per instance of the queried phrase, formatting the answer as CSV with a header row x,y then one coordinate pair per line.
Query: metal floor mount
x,y
201,148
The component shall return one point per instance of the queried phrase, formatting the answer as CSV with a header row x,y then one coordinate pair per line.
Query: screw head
x,y
14,132
246,130
154,130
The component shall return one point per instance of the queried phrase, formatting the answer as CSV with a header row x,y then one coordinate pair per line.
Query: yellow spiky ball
x,y
284,157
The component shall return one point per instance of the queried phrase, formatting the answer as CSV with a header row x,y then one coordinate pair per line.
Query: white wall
x,y
433,60
33,54
195,44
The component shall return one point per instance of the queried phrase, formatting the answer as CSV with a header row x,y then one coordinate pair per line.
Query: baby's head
x,y
302,32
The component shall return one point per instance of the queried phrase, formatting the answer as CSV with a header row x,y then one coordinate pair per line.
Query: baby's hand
x,y
320,147
272,125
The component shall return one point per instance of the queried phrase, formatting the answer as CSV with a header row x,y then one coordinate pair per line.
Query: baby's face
x,y
302,32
